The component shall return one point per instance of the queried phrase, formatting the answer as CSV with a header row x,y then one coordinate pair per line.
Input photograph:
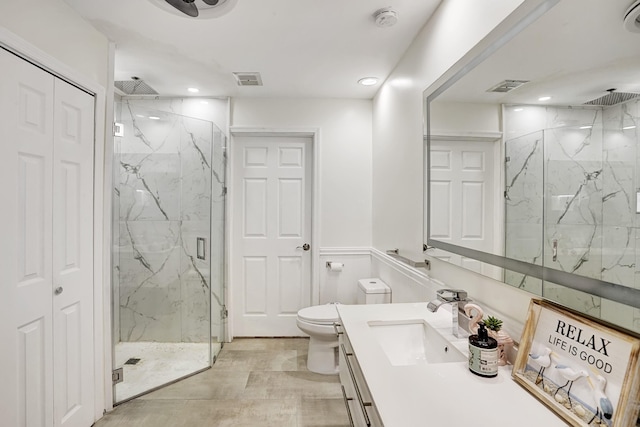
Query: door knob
x,y
304,247
58,290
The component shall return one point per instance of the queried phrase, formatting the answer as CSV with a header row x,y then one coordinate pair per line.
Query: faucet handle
x,y
453,294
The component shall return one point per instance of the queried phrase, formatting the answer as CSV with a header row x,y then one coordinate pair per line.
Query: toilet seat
x,y
319,314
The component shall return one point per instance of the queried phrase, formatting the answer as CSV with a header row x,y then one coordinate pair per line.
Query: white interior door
x,y
26,157
272,225
462,198
47,340
73,256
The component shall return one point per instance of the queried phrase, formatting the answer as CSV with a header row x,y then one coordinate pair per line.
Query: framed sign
x,y
582,369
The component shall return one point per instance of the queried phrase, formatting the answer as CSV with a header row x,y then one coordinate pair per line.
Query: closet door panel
x,y
73,256
26,155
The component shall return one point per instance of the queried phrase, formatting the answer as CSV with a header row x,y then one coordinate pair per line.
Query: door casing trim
x,y
314,135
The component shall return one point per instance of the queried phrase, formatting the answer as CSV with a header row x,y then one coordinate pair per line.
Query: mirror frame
x,y
519,20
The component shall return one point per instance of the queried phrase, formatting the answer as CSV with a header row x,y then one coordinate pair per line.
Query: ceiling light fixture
x,y
628,127
544,98
201,9
368,81
204,102
154,118
632,18
517,110
586,127
193,90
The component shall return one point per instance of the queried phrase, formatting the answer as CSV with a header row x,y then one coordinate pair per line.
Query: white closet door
x,y
26,157
46,224
73,256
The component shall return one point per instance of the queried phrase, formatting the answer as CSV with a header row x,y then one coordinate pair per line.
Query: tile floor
x,y
255,382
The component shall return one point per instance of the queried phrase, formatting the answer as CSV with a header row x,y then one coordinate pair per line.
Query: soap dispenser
x,y
483,353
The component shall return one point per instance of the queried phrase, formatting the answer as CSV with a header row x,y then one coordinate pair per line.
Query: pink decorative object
x,y
473,322
504,342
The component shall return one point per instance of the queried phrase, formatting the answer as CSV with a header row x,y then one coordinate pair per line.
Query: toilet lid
x,y
319,314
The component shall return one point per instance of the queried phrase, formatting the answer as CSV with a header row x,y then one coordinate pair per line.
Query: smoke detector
x,y
385,17
632,18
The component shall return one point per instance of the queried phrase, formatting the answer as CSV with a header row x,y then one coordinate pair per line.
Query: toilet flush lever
x,y
304,247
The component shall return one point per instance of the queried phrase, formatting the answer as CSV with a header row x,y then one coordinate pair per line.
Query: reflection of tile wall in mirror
x,y
590,183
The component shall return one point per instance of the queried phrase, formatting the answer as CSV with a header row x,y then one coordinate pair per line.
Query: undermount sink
x,y
413,342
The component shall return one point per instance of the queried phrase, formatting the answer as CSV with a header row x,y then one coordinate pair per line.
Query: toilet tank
x,y
373,291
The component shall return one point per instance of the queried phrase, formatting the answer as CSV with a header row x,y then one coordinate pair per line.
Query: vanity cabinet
x,y
357,398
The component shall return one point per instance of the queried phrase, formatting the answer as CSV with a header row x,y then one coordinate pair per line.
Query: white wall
x,y
448,117
397,145
345,180
345,157
55,28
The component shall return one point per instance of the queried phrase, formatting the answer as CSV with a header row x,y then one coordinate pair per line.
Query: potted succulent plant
x,y
494,326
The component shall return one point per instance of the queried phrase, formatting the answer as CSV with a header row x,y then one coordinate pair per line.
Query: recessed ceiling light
x,y
193,90
154,118
368,81
629,127
586,127
518,109
544,98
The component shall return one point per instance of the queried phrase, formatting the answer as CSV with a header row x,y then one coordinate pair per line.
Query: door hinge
x,y
117,376
507,159
224,313
224,191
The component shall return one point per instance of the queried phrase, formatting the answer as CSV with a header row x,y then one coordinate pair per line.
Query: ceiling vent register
x,y
248,79
507,86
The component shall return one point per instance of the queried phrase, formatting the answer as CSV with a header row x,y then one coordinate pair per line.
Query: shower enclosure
x,y
168,240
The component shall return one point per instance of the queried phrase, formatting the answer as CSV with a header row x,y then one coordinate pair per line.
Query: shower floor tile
x,y
159,364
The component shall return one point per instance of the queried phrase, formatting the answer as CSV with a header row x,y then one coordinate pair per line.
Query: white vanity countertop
x,y
444,394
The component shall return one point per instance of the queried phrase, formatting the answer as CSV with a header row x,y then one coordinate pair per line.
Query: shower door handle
x,y
200,248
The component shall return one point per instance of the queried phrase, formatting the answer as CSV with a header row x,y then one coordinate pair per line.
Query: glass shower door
x,y
162,248
218,273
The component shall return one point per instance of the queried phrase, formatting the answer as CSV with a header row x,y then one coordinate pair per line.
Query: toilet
x,y
317,321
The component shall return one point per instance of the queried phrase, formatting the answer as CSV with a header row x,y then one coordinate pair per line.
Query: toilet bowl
x,y
318,322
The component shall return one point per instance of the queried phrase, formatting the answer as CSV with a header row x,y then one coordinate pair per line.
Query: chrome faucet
x,y
457,298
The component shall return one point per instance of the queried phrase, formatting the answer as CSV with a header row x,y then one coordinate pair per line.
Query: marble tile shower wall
x,y
164,198
571,180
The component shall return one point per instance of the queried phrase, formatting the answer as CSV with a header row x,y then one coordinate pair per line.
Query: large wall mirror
x,y
533,159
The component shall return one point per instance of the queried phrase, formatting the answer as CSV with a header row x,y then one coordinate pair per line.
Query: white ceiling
x,y
574,53
302,48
